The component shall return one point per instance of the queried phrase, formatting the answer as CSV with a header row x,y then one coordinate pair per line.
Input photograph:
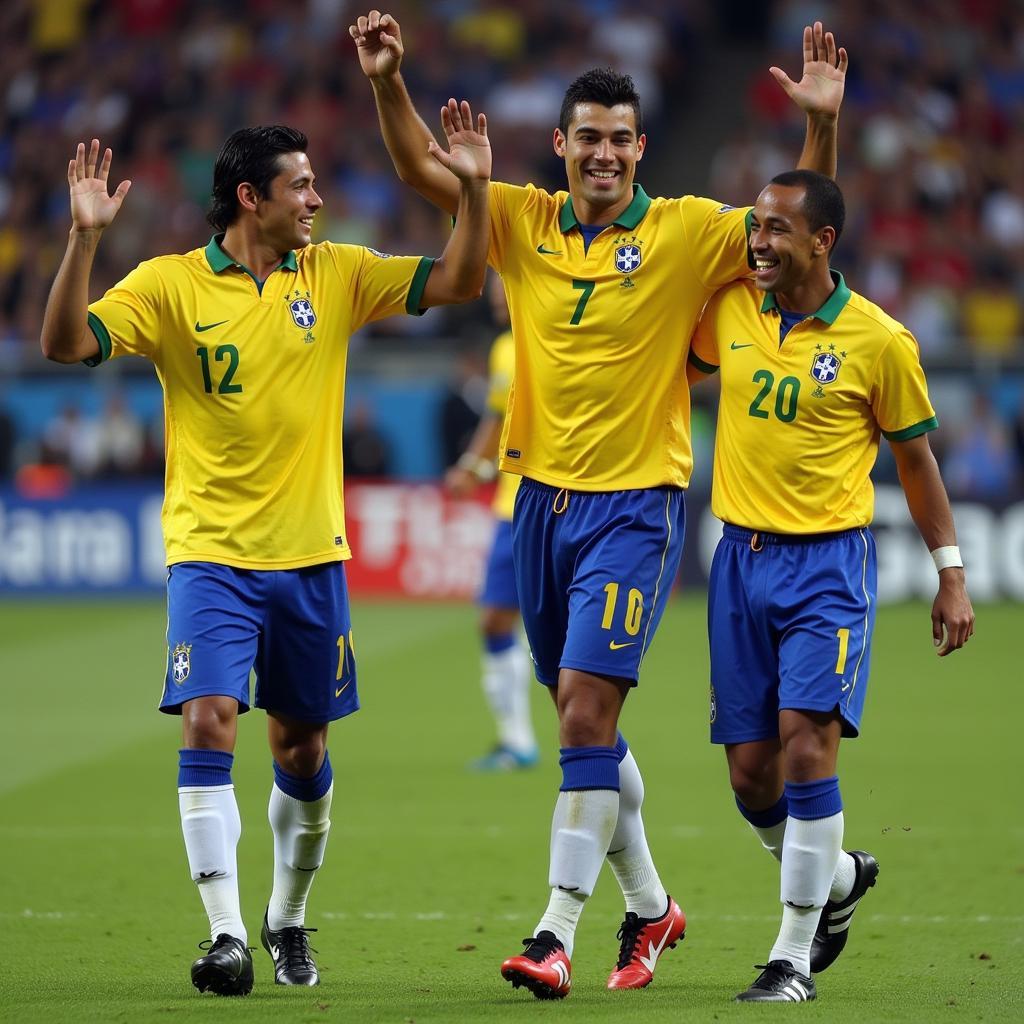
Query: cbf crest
x,y
825,368
628,258
181,662
302,313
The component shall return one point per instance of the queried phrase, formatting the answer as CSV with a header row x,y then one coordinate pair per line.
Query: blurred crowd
x,y
931,150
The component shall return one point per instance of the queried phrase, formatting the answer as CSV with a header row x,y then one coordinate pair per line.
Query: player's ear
x,y
559,143
641,145
247,195
824,241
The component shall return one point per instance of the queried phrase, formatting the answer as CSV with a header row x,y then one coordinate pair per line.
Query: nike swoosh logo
x,y
275,953
338,693
613,646
734,346
208,327
548,252
653,952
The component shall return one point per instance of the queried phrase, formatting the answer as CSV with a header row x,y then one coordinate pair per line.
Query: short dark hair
x,y
603,86
249,154
823,204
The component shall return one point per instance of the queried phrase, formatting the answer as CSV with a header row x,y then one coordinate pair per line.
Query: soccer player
x,y
249,336
812,374
605,286
506,664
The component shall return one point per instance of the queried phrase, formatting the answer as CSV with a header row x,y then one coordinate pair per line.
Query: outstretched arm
x,y
952,614
458,274
378,39
819,93
66,337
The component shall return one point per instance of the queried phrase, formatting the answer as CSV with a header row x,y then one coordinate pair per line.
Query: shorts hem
x,y
174,707
598,670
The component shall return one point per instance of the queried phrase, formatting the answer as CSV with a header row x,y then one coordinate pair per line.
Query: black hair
x,y
249,154
823,204
605,87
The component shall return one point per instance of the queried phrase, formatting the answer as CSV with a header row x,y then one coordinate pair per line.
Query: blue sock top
x,y
204,767
307,790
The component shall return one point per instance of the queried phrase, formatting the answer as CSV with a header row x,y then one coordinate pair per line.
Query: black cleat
x,y
226,969
289,949
834,923
779,982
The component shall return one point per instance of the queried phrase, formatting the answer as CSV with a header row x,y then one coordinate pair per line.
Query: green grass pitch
x,y
433,875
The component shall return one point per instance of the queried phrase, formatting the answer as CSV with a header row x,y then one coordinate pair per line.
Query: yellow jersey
x,y
600,400
501,370
799,422
254,383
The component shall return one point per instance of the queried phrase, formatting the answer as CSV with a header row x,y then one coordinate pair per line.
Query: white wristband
x,y
483,469
947,558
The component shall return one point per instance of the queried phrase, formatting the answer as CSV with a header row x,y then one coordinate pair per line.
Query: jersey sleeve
x,y
500,371
899,394
126,320
380,285
506,203
716,240
704,343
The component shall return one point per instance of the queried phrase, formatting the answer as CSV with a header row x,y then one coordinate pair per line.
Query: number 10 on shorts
x,y
634,608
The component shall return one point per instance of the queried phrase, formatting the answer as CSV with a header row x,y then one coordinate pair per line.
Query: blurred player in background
x,y
506,673
812,374
605,286
249,337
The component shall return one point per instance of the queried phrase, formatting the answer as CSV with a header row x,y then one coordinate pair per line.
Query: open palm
x,y
820,90
91,207
469,149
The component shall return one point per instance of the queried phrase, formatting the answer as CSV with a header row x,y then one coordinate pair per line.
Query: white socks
x,y
846,868
810,851
211,827
628,853
300,835
581,830
506,682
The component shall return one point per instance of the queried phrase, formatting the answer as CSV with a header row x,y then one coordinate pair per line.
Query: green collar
x,y
219,260
830,308
629,218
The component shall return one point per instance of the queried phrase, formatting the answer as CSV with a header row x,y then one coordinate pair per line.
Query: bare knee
x,y
810,743
298,748
588,709
755,773
209,723
496,622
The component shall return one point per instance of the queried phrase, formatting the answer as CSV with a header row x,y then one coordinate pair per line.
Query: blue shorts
x,y
594,571
291,625
790,627
499,589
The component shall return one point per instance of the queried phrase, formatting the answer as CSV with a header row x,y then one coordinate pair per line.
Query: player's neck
x,y
599,216
808,296
259,258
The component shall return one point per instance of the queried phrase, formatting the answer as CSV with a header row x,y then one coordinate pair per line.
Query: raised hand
x,y
820,91
378,43
469,150
92,209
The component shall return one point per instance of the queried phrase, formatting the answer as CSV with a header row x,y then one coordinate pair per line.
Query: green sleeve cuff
x,y
414,301
908,433
103,337
700,364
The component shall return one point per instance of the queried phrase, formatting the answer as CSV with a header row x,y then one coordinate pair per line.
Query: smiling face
x,y
285,214
601,150
787,253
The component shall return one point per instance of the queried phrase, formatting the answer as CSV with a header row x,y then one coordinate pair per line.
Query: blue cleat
x,y
505,759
